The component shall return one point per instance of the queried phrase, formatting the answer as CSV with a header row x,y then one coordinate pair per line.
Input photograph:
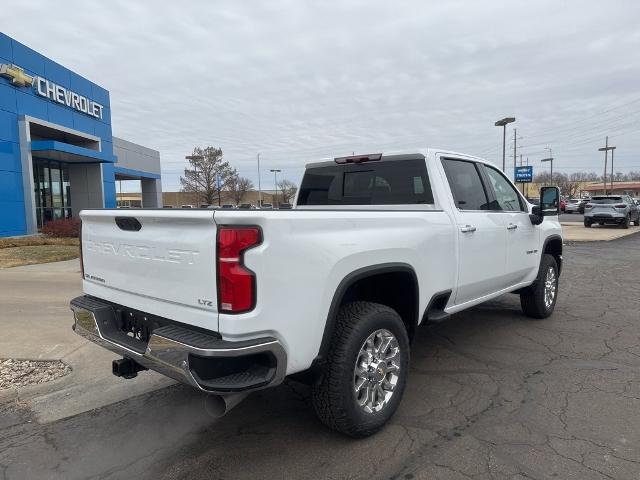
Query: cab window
x,y
465,183
507,198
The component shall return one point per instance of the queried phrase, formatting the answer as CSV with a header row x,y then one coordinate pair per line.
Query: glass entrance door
x,y
52,190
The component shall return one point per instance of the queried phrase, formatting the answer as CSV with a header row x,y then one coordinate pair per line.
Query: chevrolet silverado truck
x,y
329,292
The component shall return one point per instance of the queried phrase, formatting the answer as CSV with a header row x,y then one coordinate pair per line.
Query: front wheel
x,y
365,372
587,223
539,299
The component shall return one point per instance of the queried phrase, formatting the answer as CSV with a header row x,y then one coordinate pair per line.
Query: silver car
x,y
572,206
612,209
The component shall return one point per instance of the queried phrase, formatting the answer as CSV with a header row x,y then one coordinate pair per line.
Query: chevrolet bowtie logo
x,y
16,75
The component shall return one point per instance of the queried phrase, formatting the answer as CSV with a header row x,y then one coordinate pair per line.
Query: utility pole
x,y
275,181
503,123
515,143
606,149
550,159
527,183
613,150
522,182
259,189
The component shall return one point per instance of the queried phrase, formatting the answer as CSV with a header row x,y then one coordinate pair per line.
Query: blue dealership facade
x,y
57,152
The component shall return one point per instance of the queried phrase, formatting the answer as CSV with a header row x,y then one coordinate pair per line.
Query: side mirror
x,y
549,201
536,215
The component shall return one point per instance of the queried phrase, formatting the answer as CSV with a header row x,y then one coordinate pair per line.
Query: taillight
x,y
620,205
236,283
80,243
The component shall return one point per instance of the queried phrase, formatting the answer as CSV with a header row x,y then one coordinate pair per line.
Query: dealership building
x,y
57,153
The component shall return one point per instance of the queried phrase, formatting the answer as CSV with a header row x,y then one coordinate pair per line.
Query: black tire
x,y
587,223
532,299
625,223
333,397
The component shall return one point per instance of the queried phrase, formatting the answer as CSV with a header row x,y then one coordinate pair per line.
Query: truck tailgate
x,y
167,257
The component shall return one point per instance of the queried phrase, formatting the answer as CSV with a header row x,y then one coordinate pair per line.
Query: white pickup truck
x,y
330,292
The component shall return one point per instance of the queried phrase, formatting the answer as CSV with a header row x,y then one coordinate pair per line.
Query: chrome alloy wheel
x,y
550,287
376,371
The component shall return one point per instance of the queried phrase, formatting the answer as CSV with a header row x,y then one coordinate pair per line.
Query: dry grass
x,y
36,240
32,254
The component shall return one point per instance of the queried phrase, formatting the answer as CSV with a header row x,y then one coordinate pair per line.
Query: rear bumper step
x,y
203,361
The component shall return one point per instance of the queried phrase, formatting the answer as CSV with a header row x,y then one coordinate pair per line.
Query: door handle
x,y
512,226
467,229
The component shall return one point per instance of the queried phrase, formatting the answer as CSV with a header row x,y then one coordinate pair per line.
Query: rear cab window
x,y
390,182
466,184
606,200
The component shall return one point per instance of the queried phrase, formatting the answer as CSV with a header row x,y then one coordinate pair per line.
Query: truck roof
x,y
395,156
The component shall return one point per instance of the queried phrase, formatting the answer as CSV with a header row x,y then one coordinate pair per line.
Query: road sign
x,y
524,174
219,181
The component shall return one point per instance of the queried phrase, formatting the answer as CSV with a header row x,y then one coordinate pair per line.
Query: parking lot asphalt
x,y
491,394
571,218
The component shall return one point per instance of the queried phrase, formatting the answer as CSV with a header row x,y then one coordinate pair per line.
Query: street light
x,y
503,123
275,180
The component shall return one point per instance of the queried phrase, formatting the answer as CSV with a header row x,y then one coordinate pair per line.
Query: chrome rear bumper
x,y
172,349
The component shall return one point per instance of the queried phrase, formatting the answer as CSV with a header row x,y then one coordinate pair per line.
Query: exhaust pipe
x,y
218,405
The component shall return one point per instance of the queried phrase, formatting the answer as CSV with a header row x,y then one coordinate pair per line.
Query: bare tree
x,y
288,190
208,174
238,187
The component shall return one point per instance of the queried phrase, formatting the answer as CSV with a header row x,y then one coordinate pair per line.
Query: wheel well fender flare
x,y
557,239
350,280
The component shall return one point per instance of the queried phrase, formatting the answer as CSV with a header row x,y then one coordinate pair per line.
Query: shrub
x,y
65,227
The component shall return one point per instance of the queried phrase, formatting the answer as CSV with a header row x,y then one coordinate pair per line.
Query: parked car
x,y
267,206
332,292
583,204
572,206
228,206
285,206
563,204
612,209
246,206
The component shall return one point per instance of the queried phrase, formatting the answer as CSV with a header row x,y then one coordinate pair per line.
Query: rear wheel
x,y
365,373
539,299
587,223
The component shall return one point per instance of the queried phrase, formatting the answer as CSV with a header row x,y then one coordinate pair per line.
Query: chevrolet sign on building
x,y
48,89
57,153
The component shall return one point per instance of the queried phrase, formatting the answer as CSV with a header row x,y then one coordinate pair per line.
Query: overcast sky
x,y
300,80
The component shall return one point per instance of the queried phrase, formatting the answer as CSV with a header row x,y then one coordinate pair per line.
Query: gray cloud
x,y
298,81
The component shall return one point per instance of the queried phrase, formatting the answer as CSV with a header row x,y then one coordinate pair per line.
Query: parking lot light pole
x,y
503,123
275,180
550,159
259,188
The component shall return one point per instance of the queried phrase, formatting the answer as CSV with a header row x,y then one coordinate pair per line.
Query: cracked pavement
x,y
491,395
